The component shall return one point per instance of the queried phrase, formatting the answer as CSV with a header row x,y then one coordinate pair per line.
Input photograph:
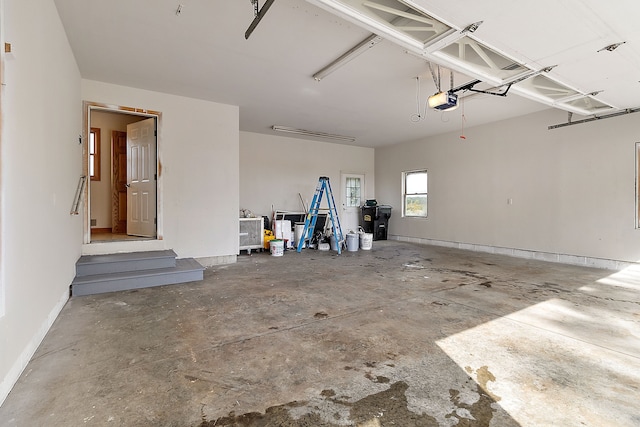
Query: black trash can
x,y
375,220
367,219
381,224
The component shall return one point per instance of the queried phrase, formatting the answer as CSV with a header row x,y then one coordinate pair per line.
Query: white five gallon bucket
x,y
352,242
276,247
366,241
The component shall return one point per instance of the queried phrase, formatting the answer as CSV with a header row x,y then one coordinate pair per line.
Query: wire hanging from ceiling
x,y
418,115
463,119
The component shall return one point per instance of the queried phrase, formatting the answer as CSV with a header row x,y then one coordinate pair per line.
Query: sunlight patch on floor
x,y
628,278
554,348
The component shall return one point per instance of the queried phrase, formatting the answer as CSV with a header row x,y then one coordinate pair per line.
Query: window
x,y
353,192
415,193
94,154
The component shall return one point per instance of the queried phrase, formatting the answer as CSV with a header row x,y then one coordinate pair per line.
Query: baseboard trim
x,y
608,264
217,260
21,363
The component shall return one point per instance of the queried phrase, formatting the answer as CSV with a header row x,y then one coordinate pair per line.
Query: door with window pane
x,y
352,199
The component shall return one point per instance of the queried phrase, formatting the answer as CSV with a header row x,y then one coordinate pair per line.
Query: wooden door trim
x,y
116,205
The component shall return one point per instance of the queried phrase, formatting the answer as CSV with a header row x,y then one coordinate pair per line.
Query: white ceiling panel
x,y
202,53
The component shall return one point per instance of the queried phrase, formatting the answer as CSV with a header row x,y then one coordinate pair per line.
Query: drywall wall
x,y
41,165
572,189
198,151
100,191
274,170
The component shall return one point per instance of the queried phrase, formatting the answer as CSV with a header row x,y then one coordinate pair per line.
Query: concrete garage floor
x,y
402,335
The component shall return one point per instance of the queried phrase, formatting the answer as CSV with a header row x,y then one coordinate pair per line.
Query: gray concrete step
x,y
89,265
185,270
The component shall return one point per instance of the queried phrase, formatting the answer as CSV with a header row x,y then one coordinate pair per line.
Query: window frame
x,y
95,155
405,194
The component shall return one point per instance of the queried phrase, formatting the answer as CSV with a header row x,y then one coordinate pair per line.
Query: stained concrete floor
x,y
402,335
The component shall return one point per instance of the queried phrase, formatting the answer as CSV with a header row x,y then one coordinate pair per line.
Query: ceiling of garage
x,y
379,96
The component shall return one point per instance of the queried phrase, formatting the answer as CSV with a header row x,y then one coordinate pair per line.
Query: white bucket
x,y
352,242
299,229
282,230
276,247
334,243
366,241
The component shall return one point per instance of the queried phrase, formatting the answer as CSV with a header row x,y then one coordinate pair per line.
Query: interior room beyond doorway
x,y
107,155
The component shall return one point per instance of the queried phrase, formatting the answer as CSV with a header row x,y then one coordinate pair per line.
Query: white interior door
x,y
352,198
141,178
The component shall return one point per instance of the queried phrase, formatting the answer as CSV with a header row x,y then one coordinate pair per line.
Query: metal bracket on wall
x,y
259,14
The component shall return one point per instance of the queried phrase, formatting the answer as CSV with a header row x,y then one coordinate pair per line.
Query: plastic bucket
x,y
366,241
299,229
352,242
277,247
334,243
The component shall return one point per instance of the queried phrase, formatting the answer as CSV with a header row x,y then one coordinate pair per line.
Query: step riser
x,y
123,284
98,274
124,266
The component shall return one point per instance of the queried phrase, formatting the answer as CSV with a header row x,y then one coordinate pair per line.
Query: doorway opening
x,y
121,162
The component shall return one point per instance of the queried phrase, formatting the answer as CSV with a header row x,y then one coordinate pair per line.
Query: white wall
x,y
199,156
40,166
101,197
572,188
275,169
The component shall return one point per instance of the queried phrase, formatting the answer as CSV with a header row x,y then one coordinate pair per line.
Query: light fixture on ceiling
x,y
358,49
612,47
314,134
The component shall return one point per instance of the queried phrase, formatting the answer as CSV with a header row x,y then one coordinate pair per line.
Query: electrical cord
x,y
415,118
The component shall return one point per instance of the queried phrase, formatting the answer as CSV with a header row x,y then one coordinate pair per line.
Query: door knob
x,y
128,185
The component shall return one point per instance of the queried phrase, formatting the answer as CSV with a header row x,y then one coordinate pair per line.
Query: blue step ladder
x,y
312,216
